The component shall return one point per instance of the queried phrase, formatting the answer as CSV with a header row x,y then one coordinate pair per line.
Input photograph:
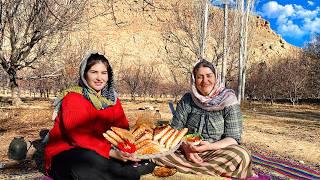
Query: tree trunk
x,y
203,28
295,94
241,49
271,99
225,42
15,95
175,98
133,97
48,93
293,100
245,52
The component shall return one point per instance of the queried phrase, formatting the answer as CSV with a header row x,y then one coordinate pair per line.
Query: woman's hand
x,y
118,155
126,158
207,146
191,155
203,146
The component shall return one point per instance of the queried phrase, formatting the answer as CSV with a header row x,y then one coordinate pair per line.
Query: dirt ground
x,y
283,131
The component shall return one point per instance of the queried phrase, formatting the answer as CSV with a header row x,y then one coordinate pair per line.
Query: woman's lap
x,y
83,164
232,161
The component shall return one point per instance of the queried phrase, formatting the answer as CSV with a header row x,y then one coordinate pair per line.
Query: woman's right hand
x,y
191,155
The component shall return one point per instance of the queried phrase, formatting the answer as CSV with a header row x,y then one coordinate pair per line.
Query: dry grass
x,y
287,131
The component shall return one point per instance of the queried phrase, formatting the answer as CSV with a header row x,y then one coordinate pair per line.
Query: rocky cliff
x,y
134,33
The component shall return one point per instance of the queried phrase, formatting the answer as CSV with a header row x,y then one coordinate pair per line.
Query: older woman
x,y
212,111
76,148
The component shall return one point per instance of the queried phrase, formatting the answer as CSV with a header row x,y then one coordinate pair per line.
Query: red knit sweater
x,y
83,127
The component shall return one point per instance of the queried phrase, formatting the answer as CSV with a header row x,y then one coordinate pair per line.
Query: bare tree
x,y
131,77
272,83
244,13
258,79
285,80
312,56
181,37
32,29
179,85
294,74
42,80
150,78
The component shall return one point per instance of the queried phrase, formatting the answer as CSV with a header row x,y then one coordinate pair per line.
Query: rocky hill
x,y
134,33
267,45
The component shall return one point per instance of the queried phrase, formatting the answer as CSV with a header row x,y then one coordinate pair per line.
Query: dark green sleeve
x,y
183,109
233,122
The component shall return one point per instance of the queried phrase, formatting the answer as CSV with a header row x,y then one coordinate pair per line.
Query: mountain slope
x,y
138,35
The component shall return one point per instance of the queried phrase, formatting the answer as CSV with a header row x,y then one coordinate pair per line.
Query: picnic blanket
x,y
286,168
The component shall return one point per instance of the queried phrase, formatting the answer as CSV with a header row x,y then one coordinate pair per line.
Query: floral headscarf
x,y
219,98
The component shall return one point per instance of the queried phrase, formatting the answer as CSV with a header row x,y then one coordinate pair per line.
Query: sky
x,y
295,20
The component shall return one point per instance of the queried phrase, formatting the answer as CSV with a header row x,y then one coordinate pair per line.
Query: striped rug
x,y
285,168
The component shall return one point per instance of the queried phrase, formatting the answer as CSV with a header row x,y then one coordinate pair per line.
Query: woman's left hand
x,y
130,158
203,146
122,157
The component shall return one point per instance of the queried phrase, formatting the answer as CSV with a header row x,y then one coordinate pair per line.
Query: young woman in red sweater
x,y
76,148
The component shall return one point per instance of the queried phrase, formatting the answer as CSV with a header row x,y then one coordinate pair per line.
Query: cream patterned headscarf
x,y
219,98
